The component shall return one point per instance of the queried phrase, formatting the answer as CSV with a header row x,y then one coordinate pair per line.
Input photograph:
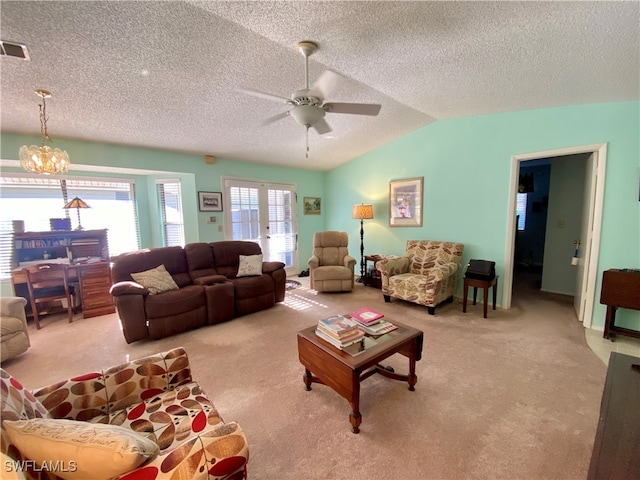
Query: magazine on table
x,y
366,316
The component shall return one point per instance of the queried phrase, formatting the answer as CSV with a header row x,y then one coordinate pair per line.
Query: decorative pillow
x,y
80,450
156,280
250,265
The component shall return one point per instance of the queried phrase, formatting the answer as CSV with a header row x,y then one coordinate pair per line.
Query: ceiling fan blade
x,y
322,127
275,118
327,83
353,108
267,96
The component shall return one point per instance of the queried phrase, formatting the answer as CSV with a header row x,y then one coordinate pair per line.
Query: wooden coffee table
x,y
343,372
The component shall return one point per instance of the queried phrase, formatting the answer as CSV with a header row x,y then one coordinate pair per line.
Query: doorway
x,y
264,213
588,232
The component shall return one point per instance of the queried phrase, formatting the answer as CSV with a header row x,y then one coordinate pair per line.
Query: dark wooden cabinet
x,y
95,282
620,289
616,450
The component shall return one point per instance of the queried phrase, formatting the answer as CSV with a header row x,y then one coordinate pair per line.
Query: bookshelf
x,y
42,246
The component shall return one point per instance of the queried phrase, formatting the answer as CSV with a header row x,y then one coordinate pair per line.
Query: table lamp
x,y
77,203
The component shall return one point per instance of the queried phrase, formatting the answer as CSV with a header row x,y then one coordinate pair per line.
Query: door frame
x,y
258,183
599,151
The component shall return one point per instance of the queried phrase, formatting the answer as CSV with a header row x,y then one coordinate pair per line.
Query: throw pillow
x,y
156,280
80,450
250,265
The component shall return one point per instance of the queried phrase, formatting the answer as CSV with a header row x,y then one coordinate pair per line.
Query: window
x,y
36,199
521,210
170,195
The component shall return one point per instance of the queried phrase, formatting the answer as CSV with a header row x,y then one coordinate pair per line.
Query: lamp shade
x,y
76,203
362,211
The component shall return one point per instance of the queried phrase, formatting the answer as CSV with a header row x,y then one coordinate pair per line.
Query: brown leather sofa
x,y
208,290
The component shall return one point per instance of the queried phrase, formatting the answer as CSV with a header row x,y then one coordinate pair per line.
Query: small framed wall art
x,y
405,202
210,201
312,205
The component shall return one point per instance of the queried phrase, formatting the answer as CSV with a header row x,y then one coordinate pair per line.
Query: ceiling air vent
x,y
12,49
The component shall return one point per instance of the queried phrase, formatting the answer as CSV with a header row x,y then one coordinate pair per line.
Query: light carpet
x,y
513,396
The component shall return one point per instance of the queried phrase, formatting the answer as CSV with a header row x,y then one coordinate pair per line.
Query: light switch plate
x,y
212,219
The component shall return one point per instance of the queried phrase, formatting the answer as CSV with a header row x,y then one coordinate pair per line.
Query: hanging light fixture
x,y
44,159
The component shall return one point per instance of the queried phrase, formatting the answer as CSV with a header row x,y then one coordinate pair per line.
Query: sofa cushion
x,y
254,286
175,302
156,280
85,450
249,265
18,403
226,255
168,418
173,258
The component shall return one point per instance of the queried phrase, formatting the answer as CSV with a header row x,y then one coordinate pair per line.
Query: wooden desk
x,y
620,289
94,280
615,451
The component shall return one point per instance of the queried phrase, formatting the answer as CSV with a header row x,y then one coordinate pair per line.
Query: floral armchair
x,y
148,408
426,275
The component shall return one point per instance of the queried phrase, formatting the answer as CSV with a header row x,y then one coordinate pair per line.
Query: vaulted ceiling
x,y
167,74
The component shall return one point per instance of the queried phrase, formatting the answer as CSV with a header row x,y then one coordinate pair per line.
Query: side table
x,y
484,284
372,279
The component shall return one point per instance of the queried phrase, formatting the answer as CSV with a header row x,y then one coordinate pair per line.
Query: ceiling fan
x,y
308,106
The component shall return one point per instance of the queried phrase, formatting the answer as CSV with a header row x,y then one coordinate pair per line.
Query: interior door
x,y
586,238
264,213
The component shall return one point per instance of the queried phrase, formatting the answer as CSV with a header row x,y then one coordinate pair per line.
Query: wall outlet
x,y
220,228
212,219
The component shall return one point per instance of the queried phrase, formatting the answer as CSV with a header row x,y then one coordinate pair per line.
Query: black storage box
x,y
481,269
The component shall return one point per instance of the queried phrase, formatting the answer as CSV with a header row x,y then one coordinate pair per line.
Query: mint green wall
x,y
466,164
195,174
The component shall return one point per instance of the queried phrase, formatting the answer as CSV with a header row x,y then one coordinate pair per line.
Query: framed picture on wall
x,y
210,201
312,205
405,202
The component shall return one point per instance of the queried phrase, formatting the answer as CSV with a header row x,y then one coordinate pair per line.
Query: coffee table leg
x,y
355,417
413,378
307,379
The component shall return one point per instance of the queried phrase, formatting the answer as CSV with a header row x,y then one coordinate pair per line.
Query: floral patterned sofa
x,y
427,274
153,399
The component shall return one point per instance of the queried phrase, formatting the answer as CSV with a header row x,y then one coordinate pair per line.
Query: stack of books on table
x,y
339,331
371,322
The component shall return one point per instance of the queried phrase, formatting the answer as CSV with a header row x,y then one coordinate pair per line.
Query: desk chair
x,y
47,282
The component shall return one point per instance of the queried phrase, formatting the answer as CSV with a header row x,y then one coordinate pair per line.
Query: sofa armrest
x,y
114,389
270,267
349,262
388,267
210,280
218,453
314,262
127,288
12,307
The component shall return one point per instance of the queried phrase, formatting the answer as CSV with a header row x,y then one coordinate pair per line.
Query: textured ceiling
x,y
166,74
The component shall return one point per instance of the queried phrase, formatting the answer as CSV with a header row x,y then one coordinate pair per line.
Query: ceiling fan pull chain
x,y
307,153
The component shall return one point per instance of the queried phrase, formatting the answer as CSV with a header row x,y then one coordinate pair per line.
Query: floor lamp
x,y
362,212
77,203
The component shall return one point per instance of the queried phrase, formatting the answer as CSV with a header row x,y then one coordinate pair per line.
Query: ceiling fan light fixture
x,y
307,115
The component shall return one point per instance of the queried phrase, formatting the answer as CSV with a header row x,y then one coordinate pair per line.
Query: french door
x,y
264,213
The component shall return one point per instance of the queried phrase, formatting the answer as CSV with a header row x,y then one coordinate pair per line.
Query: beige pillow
x,y
80,450
250,265
156,280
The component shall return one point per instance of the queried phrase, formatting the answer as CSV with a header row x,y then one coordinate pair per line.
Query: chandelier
x,y
44,159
